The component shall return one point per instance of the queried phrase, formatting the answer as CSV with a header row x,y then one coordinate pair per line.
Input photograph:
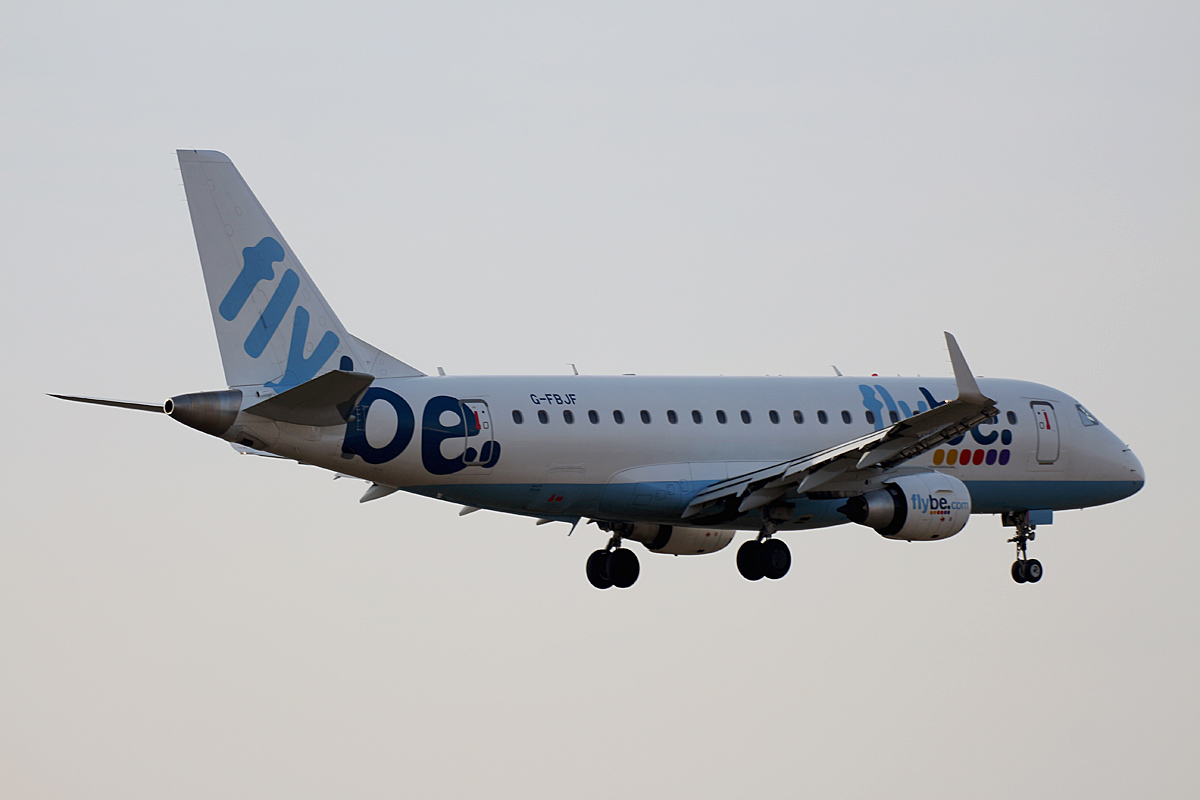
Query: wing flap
x,y
773,481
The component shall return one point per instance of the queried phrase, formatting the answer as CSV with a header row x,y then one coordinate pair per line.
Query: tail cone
x,y
211,412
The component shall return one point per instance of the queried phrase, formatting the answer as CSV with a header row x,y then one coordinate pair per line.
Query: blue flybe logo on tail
x,y
258,264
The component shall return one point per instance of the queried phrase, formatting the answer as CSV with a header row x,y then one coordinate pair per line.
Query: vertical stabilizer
x,y
273,325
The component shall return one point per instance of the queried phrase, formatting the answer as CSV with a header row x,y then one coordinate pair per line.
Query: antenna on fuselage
x,y
837,371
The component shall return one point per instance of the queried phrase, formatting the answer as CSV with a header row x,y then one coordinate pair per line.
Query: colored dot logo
x,y
967,457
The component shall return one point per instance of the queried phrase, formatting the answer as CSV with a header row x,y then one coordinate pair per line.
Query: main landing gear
x,y
1024,569
764,557
613,566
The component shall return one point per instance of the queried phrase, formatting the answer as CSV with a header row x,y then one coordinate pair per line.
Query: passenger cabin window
x,y
543,417
518,417
796,415
870,417
846,417
822,417
568,416
774,415
672,417
645,416
697,417
721,417
593,417
618,418
894,417
745,416
1012,418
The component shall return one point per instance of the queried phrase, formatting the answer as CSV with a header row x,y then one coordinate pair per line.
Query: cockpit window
x,y
1088,418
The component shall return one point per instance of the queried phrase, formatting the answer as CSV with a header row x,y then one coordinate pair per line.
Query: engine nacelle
x,y
914,508
678,541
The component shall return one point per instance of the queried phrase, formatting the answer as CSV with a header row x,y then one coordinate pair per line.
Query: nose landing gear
x,y
1024,569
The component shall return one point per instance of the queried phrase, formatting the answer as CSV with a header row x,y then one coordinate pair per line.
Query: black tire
x,y
1018,571
597,569
774,559
623,568
1033,570
747,561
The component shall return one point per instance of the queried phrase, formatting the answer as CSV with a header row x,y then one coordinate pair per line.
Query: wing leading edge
x,y
877,451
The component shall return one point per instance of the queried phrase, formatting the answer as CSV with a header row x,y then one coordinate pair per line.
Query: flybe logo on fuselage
x,y
877,398
455,434
258,264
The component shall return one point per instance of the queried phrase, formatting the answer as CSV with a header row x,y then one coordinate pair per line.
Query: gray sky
x,y
674,188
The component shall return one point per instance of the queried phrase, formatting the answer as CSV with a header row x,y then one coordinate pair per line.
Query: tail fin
x,y
273,326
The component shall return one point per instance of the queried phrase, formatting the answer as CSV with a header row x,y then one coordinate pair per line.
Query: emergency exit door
x,y
479,443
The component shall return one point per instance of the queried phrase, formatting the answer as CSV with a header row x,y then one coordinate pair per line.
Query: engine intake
x,y
913,508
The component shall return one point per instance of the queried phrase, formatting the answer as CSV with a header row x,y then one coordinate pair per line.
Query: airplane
x,y
677,464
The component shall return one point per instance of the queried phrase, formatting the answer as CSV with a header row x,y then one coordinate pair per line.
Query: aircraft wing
x,y
879,450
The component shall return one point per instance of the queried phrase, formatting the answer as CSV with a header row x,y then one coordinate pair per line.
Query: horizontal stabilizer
x,y
325,400
100,401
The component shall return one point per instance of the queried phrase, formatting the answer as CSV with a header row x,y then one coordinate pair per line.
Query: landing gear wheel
x,y
748,561
597,569
623,568
1024,569
774,559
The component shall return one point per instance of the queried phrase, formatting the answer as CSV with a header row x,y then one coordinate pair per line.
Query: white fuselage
x,y
636,449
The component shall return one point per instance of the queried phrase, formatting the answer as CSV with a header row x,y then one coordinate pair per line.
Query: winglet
x,y
968,389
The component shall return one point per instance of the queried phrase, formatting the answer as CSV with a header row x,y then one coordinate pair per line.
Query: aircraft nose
x,y
1137,473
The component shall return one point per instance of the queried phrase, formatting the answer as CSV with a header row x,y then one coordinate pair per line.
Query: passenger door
x,y
1047,432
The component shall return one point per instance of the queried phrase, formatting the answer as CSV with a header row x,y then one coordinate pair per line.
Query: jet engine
x,y
678,541
914,508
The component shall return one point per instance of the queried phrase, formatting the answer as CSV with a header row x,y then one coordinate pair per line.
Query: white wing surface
x,y
877,451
